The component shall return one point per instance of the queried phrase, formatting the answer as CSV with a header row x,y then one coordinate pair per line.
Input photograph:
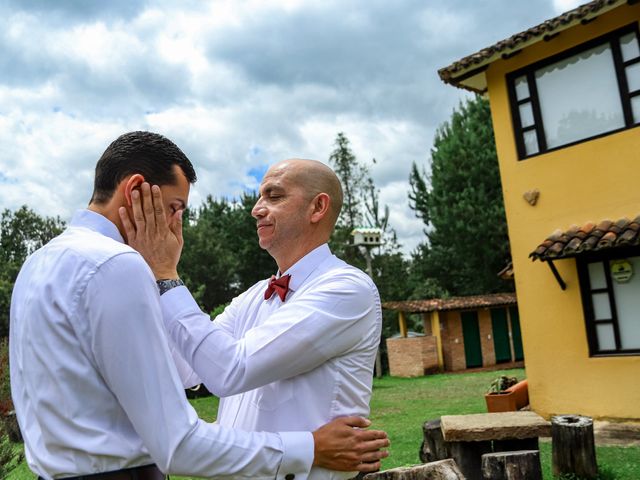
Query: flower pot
x,y
511,400
521,392
500,402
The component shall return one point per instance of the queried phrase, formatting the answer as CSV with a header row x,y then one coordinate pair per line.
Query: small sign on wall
x,y
621,270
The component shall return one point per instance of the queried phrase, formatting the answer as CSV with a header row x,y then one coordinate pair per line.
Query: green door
x,y
500,328
471,335
515,332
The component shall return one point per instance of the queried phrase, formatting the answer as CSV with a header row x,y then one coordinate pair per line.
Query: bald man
x,y
293,351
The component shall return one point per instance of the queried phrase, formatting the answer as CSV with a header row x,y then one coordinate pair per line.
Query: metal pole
x,y
367,257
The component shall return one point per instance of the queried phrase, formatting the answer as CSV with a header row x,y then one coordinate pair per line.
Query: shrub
x,y
8,428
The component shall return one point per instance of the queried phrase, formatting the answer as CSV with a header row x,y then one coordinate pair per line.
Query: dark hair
x,y
146,153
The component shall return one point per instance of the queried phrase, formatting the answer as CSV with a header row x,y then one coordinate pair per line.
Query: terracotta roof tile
x,y
453,303
507,272
576,240
452,74
630,233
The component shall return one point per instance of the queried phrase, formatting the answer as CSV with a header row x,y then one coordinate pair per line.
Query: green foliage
x,y
221,256
461,205
21,233
218,310
6,405
8,455
501,383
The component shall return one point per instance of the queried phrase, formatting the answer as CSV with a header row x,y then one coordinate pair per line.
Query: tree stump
x,y
573,446
468,457
433,446
520,465
441,470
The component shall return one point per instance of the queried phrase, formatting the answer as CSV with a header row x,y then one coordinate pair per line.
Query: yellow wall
x,y
590,181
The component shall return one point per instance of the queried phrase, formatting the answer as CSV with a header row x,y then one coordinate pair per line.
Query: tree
x,y
21,233
353,175
462,208
221,256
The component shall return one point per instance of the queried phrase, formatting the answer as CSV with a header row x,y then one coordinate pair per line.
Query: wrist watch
x,y
166,284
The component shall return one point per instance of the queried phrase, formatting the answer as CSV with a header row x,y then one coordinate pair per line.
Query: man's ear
x,y
321,204
131,184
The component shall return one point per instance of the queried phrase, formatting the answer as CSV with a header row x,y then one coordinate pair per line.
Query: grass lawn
x,y
400,406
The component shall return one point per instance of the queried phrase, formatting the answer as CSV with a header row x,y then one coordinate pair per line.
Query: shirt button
x,y
289,476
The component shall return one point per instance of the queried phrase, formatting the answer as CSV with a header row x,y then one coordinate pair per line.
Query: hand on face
x,y
159,241
343,445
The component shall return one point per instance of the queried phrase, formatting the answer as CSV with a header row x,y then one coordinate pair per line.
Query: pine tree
x,y
353,175
461,205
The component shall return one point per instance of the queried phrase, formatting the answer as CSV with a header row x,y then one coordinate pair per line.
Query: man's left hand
x,y
159,242
344,445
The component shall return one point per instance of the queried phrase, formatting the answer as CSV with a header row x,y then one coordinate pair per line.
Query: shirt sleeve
x,y
340,314
188,377
132,354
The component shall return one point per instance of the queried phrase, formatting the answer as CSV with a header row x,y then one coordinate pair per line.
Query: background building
x,y
565,102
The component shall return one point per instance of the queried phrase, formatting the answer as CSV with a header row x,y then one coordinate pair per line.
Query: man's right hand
x,y
344,445
159,242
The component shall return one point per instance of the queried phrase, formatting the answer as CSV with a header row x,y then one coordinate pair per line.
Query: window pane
x,y
597,276
606,340
526,115
579,97
628,307
633,77
522,88
635,108
629,47
601,306
530,142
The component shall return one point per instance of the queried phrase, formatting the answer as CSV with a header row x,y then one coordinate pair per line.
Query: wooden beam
x,y
556,274
435,331
403,324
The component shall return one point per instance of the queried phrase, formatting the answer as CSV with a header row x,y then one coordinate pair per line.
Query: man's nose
x,y
258,209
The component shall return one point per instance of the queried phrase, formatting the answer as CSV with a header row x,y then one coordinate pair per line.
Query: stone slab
x,y
494,426
440,470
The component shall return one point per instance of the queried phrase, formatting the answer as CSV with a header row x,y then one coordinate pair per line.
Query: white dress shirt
x,y
286,366
92,378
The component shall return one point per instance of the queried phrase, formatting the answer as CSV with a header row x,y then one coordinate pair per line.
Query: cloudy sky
x,y
237,84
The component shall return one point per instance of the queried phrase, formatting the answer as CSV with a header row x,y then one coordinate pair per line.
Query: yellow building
x,y
565,102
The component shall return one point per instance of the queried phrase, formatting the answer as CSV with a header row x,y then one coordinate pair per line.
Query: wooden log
x,y
468,456
573,446
440,470
433,446
515,444
519,465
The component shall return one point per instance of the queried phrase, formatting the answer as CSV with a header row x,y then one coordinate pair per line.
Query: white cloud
x,y
561,6
236,84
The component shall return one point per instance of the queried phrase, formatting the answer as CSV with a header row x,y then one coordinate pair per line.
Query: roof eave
x,y
473,78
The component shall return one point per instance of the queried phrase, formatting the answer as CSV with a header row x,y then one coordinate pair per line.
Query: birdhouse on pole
x,y
367,237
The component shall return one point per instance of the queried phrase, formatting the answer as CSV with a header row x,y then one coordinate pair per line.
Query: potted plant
x,y
506,394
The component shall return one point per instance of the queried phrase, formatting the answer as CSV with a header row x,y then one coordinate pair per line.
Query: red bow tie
x,y
278,285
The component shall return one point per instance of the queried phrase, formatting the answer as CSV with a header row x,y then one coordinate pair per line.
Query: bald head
x,y
297,209
314,177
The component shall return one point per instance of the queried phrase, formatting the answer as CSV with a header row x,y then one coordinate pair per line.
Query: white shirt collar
x,y
300,270
96,222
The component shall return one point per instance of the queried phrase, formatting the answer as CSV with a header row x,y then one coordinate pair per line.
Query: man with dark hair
x,y
95,388
154,155
293,351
